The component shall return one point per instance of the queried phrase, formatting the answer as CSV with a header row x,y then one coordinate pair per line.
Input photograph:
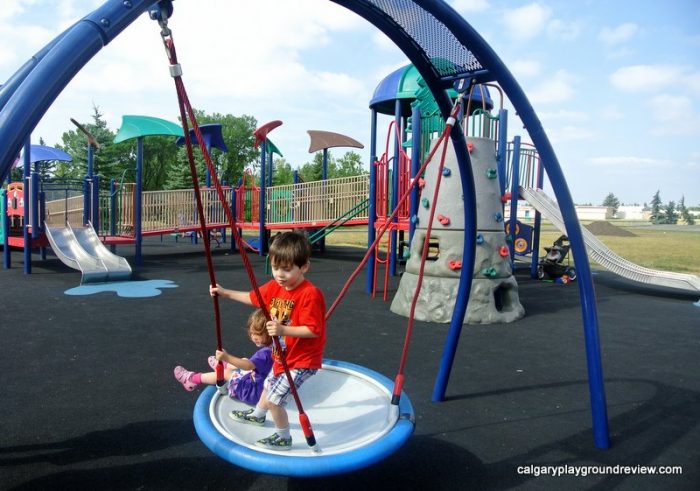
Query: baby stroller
x,y
552,265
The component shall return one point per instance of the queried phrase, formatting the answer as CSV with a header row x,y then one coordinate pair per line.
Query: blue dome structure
x,y
403,84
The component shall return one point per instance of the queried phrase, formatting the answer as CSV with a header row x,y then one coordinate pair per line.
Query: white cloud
x,y
525,68
629,162
564,31
619,34
646,78
555,89
469,5
564,115
526,22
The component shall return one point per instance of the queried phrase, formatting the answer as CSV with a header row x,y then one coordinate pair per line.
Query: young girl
x,y
244,376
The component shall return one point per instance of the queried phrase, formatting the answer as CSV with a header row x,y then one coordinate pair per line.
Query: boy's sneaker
x,y
183,375
275,442
247,417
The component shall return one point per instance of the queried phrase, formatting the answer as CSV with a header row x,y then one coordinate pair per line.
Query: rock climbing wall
x,y
494,292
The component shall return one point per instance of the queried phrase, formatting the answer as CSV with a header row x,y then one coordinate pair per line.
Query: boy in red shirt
x,y
297,309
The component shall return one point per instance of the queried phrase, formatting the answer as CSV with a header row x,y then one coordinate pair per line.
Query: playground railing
x,y
316,201
529,166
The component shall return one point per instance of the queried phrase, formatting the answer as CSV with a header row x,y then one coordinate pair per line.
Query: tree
x,y
656,208
612,202
348,165
669,214
110,161
312,171
283,173
685,213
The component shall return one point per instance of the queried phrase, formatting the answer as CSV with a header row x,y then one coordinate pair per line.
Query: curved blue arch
x,y
41,82
315,465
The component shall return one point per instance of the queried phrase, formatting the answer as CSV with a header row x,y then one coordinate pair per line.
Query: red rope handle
x,y
442,140
187,110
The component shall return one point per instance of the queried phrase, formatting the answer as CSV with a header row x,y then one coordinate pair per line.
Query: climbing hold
x,y
489,272
491,173
479,239
443,220
421,183
470,147
414,219
509,238
498,217
425,202
503,251
454,265
446,172
406,254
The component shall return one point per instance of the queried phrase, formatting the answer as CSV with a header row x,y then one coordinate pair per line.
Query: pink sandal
x,y
183,375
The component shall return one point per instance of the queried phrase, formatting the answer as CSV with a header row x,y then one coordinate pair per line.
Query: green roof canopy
x,y
137,126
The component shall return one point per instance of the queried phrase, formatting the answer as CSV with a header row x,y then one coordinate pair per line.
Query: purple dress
x,y
248,387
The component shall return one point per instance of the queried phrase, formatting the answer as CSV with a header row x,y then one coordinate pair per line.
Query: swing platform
x,y
354,424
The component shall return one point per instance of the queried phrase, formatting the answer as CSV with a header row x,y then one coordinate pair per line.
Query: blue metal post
x,y
502,155
395,187
112,211
416,157
261,212
25,219
139,202
372,208
514,194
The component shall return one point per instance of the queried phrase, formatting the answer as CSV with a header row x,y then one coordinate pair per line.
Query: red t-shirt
x,y
303,306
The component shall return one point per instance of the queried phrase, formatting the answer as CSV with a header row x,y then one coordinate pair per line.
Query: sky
x,y
615,84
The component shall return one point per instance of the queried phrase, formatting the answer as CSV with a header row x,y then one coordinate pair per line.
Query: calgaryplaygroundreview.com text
x,y
598,470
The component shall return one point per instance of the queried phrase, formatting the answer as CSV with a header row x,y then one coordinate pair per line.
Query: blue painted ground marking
x,y
126,289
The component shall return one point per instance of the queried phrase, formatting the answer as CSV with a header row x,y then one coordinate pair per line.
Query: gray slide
x,y
81,249
601,254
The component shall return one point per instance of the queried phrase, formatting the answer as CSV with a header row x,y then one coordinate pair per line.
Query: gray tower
x,y
494,292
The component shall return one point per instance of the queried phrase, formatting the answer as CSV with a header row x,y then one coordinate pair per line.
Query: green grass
x,y
668,249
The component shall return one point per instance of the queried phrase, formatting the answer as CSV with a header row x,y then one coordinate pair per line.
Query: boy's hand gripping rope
x,y
185,111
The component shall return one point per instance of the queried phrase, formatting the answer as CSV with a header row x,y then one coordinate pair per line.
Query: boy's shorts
x,y
277,386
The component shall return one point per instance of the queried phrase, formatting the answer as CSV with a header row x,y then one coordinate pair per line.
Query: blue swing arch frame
x,y
436,40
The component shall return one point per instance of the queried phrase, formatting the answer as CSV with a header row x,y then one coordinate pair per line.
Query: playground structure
x,y
468,58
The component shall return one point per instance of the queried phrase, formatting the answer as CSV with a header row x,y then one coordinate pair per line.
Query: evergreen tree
x,y
612,202
669,214
656,208
685,213
312,171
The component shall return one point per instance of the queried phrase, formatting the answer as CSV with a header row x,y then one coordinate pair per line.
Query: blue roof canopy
x,y
42,153
213,138
402,85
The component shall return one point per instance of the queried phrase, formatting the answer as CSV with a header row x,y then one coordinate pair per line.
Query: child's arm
x,y
242,363
238,296
274,328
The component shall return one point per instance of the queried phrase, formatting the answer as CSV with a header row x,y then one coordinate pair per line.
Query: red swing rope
x,y
442,140
185,111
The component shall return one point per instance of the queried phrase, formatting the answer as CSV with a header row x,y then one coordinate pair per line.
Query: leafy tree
x,y
684,212
238,136
312,171
656,208
669,214
612,202
349,165
283,173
